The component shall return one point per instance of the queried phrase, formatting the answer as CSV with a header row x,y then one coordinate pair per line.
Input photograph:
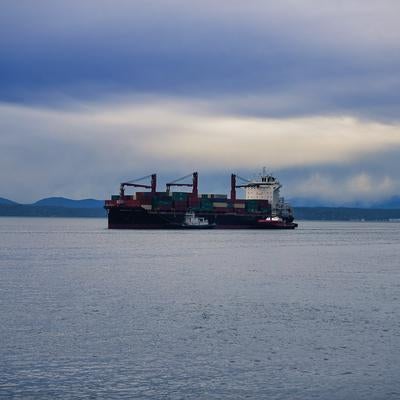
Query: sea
x,y
92,313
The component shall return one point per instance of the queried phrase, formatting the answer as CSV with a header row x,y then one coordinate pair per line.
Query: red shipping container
x,y
145,201
194,202
132,203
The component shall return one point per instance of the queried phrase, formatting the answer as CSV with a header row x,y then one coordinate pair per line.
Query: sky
x,y
96,92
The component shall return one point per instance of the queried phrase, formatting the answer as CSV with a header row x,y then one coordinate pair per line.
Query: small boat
x,y
193,222
275,223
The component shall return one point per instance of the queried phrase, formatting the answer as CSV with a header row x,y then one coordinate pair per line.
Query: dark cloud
x,y
101,48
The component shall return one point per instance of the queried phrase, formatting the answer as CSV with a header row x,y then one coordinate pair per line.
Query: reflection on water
x,y
92,313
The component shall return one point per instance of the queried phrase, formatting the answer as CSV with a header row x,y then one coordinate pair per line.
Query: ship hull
x,y
139,218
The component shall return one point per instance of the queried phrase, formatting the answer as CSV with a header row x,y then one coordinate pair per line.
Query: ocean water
x,y
92,313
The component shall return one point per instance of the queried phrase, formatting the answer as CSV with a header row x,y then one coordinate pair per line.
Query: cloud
x,y
94,92
364,188
87,150
330,57
341,23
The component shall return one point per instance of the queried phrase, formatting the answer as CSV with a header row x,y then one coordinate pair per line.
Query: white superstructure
x,y
265,188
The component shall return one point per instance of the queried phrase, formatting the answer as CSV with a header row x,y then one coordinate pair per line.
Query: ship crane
x,y
133,183
194,183
234,186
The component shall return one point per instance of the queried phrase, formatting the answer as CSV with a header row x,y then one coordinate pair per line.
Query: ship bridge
x,y
266,187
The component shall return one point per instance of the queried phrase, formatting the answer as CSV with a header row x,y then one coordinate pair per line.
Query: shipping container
x,y
132,203
180,195
219,204
157,200
193,203
147,202
163,196
144,195
219,199
180,203
214,196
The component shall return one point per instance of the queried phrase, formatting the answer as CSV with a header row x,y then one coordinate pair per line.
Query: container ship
x,y
262,207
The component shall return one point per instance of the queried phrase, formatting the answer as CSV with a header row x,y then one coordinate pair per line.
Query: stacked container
x,y
214,196
162,201
251,205
180,205
145,199
206,204
180,196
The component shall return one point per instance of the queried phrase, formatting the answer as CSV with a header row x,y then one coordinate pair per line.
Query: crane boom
x,y
194,183
132,183
179,179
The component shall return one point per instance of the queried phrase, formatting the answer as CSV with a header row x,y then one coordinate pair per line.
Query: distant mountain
x,y
69,203
4,201
345,214
307,202
391,203
27,210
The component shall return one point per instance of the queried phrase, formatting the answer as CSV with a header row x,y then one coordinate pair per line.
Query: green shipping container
x,y
180,195
161,202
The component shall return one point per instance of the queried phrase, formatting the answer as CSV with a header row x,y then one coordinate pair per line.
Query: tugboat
x,y
193,222
275,223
